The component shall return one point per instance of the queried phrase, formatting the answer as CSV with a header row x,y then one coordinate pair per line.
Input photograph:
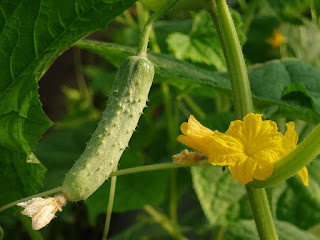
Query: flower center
x,y
249,151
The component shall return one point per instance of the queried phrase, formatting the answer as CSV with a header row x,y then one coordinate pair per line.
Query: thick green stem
x,y
144,39
234,58
243,104
261,213
306,151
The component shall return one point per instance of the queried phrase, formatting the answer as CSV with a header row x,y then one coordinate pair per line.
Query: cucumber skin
x,y
126,101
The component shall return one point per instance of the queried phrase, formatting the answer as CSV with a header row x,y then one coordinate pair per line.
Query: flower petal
x,y
303,173
225,150
42,210
195,135
243,170
291,138
43,217
262,172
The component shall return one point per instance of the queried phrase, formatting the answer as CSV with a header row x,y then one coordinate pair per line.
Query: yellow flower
x,y
195,135
249,147
276,40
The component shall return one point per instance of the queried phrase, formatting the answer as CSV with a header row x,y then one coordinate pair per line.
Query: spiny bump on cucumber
x,y
101,156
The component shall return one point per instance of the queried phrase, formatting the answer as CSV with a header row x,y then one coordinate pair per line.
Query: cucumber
x,y
126,101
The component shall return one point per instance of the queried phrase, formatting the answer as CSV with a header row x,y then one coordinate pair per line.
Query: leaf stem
x,y
313,11
42,194
194,106
171,227
130,19
170,117
79,74
220,233
306,151
153,167
110,206
261,213
144,39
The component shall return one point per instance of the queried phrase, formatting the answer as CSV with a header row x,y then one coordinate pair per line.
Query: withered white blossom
x,y
185,157
42,210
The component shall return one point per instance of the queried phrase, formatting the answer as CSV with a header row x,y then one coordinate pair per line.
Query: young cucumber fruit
x,y
126,101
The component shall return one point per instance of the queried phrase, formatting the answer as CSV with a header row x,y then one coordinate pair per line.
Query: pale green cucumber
x,y
126,101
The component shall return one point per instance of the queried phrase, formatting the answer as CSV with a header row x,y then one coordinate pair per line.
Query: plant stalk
x,y
144,39
243,105
261,213
230,44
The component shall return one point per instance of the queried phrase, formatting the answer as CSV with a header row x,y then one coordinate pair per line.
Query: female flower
x,y
249,147
42,210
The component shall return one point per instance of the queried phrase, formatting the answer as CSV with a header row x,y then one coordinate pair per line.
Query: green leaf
x,y
267,81
246,230
163,28
32,35
201,44
218,194
299,38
